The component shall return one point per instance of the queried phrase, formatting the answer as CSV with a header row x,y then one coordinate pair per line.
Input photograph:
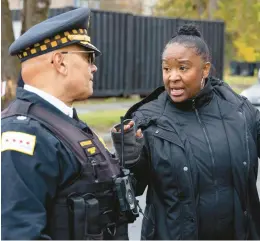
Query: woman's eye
x,y
183,68
166,69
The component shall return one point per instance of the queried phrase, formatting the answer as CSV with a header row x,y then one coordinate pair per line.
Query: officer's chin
x,y
84,96
91,91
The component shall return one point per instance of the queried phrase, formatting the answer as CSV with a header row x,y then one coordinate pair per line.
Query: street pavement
x,y
134,229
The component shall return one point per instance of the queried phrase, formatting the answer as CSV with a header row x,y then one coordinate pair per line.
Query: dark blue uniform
x,y
40,180
29,182
20,82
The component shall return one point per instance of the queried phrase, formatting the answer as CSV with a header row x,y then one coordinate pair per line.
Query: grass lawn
x,y
239,83
238,90
133,99
240,80
102,121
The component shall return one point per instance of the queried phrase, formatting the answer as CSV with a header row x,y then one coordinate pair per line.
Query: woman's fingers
x,y
126,127
139,133
113,129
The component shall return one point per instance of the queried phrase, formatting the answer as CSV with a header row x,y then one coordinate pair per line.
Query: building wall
x,y
18,4
132,6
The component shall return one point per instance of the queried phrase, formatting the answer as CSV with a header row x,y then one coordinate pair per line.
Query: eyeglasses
x,y
89,56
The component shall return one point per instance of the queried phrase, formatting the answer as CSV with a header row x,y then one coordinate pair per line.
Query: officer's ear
x,y
59,63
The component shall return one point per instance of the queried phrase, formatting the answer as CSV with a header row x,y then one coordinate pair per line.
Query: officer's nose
x,y
94,68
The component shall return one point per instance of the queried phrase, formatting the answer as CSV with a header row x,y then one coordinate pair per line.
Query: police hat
x,y
54,33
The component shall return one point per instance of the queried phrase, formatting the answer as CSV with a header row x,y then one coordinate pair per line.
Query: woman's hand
x,y
127,127
133,141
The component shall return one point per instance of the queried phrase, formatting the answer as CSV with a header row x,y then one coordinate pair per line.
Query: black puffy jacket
x,y
200,162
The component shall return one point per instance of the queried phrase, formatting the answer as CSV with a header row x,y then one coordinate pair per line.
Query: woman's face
x,y
183,72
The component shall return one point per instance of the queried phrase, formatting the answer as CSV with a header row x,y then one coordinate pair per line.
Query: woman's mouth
x,y
177,92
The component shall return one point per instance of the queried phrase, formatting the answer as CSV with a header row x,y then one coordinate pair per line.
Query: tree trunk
x,y
9,64
34,11
198,6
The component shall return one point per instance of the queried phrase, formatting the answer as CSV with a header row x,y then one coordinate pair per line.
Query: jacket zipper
x,y
247,146
192,190
247,176
210,148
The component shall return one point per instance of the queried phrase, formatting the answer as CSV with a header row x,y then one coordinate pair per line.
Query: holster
x,y
84,218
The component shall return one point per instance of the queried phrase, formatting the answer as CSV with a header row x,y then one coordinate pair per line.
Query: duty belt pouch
x,y
84,218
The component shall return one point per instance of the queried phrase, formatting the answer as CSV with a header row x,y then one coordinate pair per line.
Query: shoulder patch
x,y
21,120
18,141
21,117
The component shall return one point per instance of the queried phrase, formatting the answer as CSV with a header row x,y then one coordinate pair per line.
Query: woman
x,y
200,153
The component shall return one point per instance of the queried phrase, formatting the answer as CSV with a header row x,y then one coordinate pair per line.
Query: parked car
x,y
253,93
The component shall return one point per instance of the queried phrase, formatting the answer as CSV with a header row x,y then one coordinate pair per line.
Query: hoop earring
x,y
202,83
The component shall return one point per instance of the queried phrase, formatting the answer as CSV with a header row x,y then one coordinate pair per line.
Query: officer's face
x,y
183,71
81,69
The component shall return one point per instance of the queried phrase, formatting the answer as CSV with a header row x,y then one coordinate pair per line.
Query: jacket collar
x,y
51,99
201,99
36,99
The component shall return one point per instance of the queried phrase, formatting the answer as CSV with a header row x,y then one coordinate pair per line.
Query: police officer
x,y
57,176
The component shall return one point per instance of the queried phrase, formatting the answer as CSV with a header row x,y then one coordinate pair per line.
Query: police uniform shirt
x,y
35,165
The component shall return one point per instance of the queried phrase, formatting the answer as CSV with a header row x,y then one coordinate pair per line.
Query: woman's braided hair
x,y
189,36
